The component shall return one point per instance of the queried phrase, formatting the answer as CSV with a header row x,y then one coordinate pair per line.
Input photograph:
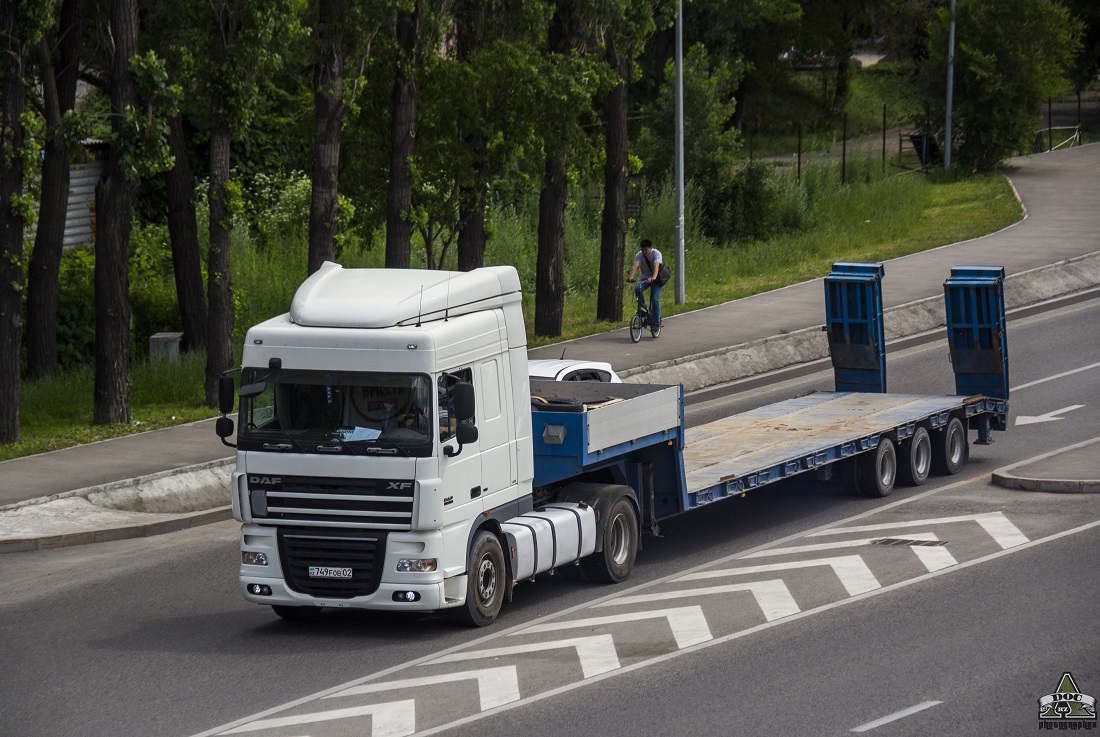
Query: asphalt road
x,y
150,636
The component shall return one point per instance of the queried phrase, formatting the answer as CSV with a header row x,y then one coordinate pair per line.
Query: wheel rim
x,y
620,550
636,328
922,456
955,446
887,467
486,581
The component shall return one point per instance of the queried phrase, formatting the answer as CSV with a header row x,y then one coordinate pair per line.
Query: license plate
x,y
327,572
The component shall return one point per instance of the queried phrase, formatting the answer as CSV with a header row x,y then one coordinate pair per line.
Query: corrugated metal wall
x,y
78,217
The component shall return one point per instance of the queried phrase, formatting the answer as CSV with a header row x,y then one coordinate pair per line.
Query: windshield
x,y
336,412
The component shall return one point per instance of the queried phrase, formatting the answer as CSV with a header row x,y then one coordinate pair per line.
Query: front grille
x,y
382,503
362,551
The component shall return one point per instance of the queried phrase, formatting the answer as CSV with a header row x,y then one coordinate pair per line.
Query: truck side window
x,y
448,427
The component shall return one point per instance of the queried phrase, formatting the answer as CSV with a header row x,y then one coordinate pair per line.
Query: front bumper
x,y
430,591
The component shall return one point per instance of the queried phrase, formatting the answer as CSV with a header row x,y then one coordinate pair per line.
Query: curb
x,y
48,542
1005,477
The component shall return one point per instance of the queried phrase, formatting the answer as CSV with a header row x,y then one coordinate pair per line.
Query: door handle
x,y
475,492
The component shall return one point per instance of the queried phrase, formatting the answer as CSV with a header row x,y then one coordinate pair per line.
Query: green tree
x,y
22,23
238,46
1009,57
58,56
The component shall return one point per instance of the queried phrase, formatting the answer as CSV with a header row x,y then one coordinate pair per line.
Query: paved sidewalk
x,y
147,482
1072,470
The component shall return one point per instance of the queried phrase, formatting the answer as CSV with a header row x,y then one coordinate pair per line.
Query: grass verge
x,y
863,221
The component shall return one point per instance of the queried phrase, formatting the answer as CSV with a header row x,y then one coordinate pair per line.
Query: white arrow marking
x,y
597,653
1048,417
496,686
996,524
395,719
689,626
774,598
850,569
933,558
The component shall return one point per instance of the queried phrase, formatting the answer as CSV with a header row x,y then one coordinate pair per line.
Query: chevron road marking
x,y
933,558
773,597
597,653
850,569
395,719
689,626
496,686
1006,534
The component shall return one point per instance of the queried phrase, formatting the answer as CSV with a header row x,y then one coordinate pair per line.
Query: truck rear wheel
x,y
297,613
485,582
916,458
950,448
620,546
876,470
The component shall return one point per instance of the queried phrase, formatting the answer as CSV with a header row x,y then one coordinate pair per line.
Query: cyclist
x,y
648,260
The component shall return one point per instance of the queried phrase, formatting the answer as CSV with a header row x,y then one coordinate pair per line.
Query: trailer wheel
x,y
620,546
297,613
950,448
485,582
916,458
877,470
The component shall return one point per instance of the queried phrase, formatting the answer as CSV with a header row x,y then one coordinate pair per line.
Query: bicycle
x,y
640,321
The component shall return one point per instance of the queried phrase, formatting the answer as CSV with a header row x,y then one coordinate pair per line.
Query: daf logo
x,y
265,480
399,485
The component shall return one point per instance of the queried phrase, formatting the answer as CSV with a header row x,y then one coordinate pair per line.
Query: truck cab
x,y
363,471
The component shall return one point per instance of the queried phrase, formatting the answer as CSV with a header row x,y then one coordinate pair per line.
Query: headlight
x,y
253,559
416,565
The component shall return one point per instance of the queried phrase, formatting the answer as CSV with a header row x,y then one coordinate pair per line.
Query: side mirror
x,y
464,401
466,434
226,399
224,429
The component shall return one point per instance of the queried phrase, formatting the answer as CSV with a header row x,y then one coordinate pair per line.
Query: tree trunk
x,y
329,112
114,210
59,77
549,274
403,142
609,299
219,289
183,231
11,224
471,234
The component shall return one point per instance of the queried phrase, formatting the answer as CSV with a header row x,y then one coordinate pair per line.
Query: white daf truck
x,y
392,453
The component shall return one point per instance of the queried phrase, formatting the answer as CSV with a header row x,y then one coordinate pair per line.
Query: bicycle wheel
x,y
655,331
636,328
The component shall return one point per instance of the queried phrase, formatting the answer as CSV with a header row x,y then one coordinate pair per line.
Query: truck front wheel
x,y
485,582
620,546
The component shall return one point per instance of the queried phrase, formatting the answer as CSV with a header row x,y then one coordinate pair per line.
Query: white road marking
x,y
1056,376
395,719
850,569
773,597
896,716
689,626
1051,416
1006,534
597,653
819,547
496,686
934,558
